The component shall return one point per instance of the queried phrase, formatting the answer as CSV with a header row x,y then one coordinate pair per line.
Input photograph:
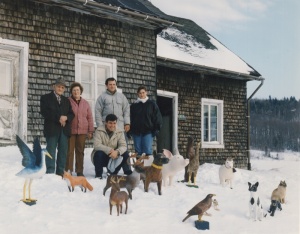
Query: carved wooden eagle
x,y
200,208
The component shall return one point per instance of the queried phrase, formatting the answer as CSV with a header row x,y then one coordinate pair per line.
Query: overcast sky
x,y
264,33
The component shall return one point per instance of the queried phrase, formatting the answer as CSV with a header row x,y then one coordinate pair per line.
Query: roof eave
x,y
112,12
172,63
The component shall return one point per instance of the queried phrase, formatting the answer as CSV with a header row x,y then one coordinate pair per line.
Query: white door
x,y
9,73
13,89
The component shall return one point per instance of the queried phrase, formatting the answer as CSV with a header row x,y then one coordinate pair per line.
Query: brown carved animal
x,y
129,182
200,208
153,173
194,164
190,153
117,197
80,181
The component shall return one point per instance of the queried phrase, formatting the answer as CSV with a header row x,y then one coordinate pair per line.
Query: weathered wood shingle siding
x,y
55,35
191,87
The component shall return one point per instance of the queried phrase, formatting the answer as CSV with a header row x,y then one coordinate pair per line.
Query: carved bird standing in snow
x,y
34,163
200,208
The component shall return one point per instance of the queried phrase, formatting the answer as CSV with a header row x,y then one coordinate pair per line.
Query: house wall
x,y
55,35
191,87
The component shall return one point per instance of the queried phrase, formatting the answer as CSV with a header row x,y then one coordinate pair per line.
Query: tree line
x,y
275,124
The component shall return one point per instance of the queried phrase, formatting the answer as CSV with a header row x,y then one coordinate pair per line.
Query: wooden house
x,y
88,41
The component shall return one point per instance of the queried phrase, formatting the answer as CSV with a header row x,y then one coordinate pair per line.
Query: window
x,y
212,123
91,72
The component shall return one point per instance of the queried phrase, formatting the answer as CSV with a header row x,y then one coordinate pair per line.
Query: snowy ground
x,y
59,211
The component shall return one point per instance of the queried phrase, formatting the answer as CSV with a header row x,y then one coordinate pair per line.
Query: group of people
x,y
68,122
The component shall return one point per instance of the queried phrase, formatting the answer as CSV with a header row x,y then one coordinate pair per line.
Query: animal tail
x,y
89,186
186,217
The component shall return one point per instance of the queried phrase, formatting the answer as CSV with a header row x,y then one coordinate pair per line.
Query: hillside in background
x,y
275,124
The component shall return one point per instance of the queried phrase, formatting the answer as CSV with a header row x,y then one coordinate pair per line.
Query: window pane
x,y
5,77
205,124
86,72
101,75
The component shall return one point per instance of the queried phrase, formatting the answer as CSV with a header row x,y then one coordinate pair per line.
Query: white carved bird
x,y
34,163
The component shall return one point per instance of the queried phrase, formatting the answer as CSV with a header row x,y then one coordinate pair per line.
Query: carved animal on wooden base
x,y
117,197
194,164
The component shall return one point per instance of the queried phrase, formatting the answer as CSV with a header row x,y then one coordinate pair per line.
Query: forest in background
x,y
275,124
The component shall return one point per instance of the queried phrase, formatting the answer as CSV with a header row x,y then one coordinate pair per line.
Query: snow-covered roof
x,y
178,45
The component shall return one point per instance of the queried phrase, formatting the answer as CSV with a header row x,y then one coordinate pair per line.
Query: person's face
x,y
142,94
59,89
76,92
111,86
111,125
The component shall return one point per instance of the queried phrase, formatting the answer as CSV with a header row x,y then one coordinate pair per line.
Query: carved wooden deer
x,y
129,182
117,197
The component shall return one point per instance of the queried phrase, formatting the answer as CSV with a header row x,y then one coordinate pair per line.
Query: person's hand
x,y
127,127
90,135
63,120
114,154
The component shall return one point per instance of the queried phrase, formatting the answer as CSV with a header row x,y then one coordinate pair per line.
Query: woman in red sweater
x,y
82,127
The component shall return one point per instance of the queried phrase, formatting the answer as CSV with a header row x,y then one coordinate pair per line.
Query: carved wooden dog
x,y
153,173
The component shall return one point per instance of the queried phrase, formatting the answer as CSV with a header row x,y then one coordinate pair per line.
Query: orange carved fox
x,y
80,181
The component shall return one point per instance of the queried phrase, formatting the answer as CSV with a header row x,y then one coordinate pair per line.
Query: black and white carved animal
x,y
278,197
117,197
226,172
194,164
153,173
255,206
129,182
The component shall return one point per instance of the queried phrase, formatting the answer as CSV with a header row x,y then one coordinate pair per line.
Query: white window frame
x,y
111,64
220,105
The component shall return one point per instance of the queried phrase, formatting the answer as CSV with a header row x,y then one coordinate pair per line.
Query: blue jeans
x,y
143,143
101,160
60,142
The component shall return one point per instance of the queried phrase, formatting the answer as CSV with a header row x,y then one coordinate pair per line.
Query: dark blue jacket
x,y
51,110
145,118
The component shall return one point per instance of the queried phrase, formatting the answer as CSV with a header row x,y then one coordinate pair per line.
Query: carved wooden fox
x,y
80,181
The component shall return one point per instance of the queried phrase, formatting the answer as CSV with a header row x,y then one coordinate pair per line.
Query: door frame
x,y
174,97
23,49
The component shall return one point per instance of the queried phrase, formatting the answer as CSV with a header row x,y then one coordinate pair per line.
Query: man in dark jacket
x,y
57,112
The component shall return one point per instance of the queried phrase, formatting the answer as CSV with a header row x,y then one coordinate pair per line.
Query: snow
x,y
60,211
187,49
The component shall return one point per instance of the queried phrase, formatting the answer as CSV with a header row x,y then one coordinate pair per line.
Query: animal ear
x,y
167,153
256,184
249,184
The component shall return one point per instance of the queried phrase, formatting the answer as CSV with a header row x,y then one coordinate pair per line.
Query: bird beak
x,y
48,155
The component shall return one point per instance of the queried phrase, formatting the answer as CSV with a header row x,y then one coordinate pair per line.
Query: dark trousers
x,y
101,160
58,162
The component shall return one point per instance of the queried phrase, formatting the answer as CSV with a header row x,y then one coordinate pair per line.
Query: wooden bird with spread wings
x,y
200,208
34,165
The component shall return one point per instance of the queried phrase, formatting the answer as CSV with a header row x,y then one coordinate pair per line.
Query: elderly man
x,y
58,115
110,147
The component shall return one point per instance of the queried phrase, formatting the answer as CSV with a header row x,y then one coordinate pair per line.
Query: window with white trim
x,y
212,123
91,72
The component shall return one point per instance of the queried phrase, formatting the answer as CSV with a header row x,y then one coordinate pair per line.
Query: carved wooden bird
x,y
200,208
34,163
